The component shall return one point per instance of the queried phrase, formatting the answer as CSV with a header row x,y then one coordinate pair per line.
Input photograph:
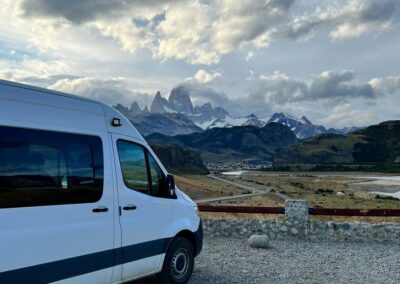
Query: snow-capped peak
x,y
250,116
305,120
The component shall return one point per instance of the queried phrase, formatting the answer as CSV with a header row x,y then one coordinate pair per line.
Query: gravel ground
x,y
229,260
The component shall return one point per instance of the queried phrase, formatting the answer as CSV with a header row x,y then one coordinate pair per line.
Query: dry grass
x,y
201,187
267,200
242,216
319,190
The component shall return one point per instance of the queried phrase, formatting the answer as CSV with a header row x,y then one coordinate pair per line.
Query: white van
x,y
83,198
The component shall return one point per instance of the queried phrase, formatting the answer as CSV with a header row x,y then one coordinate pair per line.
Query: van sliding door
x,y
56,207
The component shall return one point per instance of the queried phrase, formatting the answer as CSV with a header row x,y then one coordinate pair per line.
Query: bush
x,y
323,191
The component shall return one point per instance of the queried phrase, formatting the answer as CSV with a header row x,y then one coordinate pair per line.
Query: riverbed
x,y
382,185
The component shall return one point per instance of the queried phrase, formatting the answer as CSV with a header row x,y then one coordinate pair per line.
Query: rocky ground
x,y
230,260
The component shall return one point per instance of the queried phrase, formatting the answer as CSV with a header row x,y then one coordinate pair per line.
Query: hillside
x,y
235,143
179,160
377,146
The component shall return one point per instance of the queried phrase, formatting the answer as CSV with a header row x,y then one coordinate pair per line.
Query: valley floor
x,y
326,190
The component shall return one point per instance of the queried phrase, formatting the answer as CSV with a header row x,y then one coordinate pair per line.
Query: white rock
x,y
339,193
258,241
283,228
294,231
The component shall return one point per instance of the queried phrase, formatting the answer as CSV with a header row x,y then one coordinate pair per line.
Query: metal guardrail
x,y
241,209
311,211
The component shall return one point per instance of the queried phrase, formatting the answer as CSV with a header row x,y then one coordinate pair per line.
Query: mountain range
x,y
233,144
375,148
166,123
177,115
186,135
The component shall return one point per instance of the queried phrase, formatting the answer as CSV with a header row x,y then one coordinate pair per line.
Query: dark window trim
x,y
146,157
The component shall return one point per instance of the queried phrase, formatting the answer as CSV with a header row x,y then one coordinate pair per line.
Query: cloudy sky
x,y
337,62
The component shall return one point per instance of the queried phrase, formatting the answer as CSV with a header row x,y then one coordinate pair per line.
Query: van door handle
x,y
129,207
100,209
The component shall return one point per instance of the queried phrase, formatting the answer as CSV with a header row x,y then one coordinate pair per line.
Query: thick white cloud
x,y
245,21
392,84
332,84
358,17
281,89
185,33
200,32
110,91
345,20
345,115
130,37
79,12
204,77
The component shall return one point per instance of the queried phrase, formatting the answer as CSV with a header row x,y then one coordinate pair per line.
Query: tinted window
x,y
132,158
47,168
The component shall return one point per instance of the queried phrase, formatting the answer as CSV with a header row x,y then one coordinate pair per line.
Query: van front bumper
x,y
199,238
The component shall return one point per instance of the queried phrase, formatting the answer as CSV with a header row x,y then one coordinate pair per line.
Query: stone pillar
x,y
296,210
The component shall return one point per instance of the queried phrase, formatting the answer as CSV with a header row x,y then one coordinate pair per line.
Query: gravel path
x,y
255,191
229,260
242,186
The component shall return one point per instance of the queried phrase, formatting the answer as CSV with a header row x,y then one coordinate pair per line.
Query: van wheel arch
x,y
189,236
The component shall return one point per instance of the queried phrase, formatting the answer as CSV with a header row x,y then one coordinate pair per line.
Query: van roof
x,y
43,90
88,105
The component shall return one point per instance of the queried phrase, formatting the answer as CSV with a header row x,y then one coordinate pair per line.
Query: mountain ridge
x,y
167,123
235,143
207,116
377,146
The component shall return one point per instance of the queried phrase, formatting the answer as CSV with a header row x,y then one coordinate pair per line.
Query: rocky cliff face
x,y
132,111
205,109
179,100
165,123
135,109
159,104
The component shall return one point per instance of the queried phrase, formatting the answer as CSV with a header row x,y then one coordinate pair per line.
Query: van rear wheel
x,y
178,263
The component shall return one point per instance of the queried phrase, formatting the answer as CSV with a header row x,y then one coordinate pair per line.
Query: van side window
x,y
39,168
132,158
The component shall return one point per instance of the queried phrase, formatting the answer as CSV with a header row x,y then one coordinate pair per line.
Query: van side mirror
x,y
171,185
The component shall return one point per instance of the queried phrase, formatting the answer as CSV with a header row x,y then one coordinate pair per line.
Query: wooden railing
x,y
311,211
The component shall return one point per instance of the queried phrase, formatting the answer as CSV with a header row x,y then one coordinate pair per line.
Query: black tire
x,y
178,263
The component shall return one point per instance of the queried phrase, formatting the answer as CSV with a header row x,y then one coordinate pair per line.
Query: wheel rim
x,y
180,263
